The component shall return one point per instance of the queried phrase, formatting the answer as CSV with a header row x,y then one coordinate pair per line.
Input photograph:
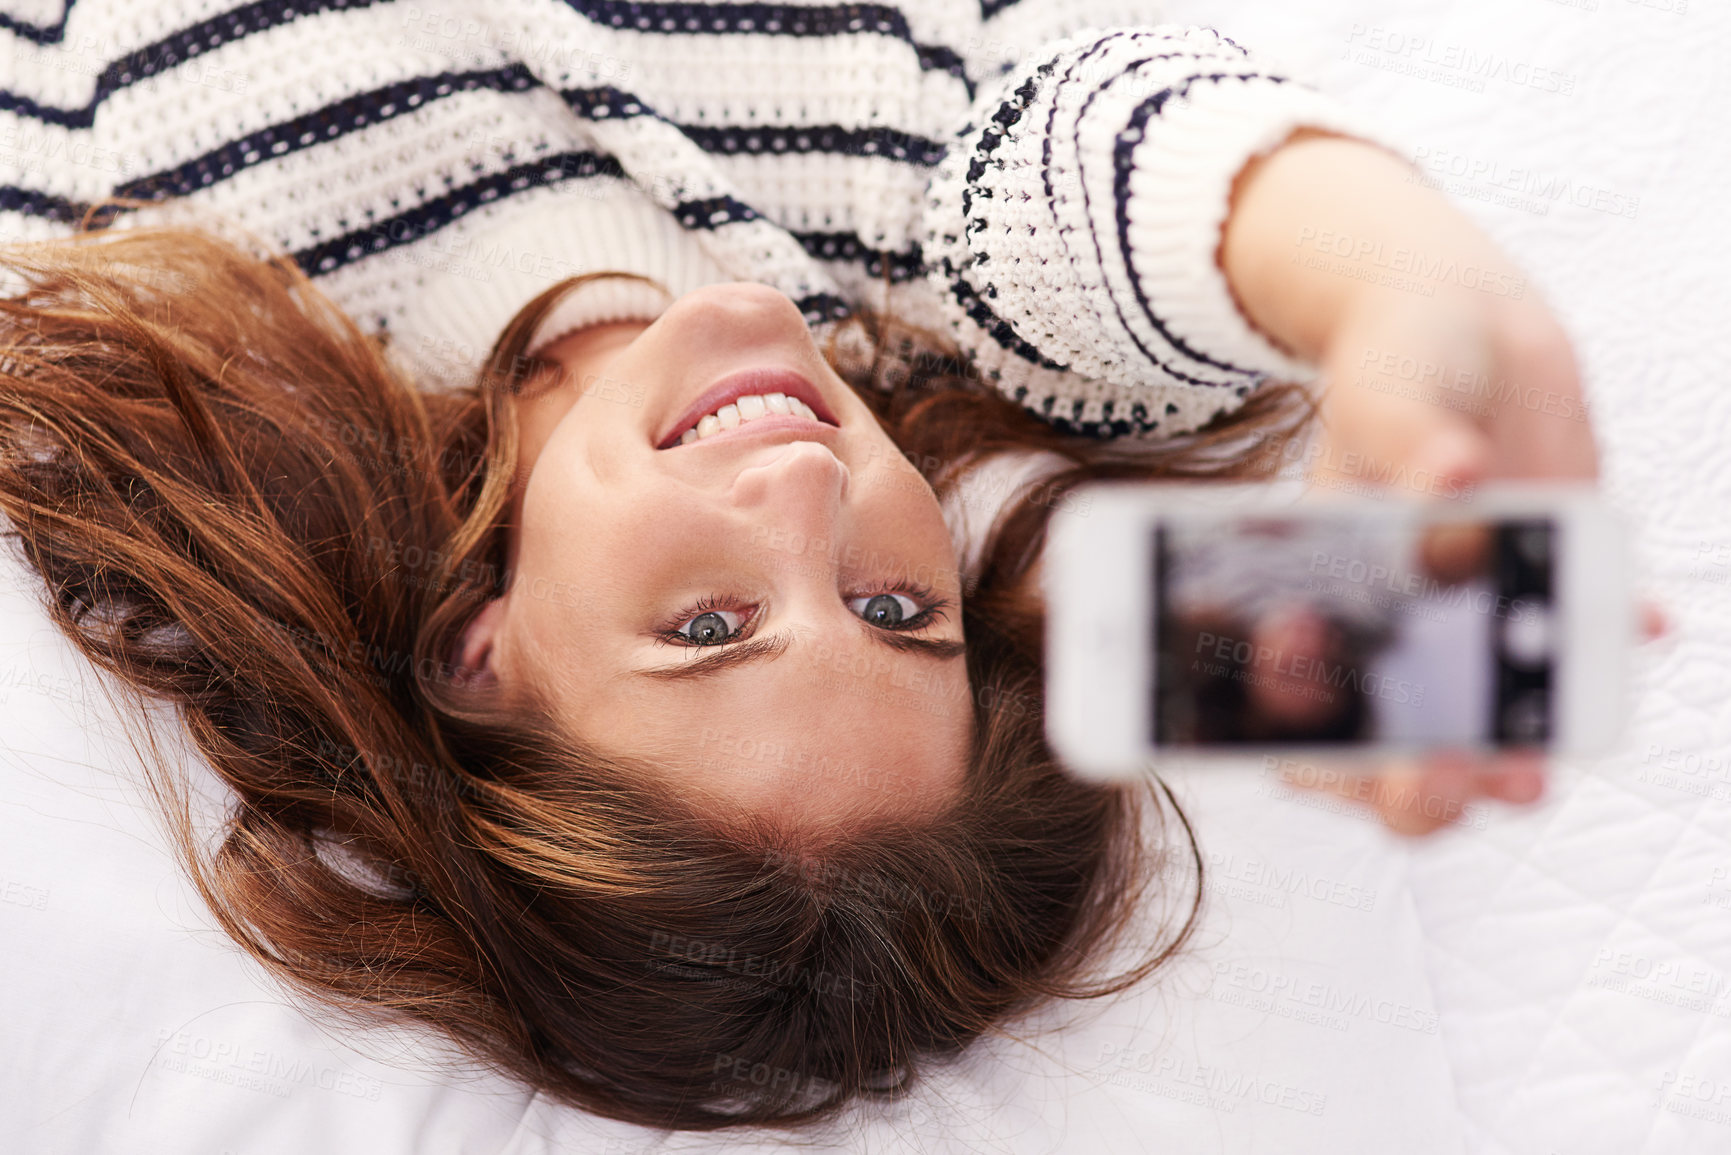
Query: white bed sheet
x,y
1523,985
133,1026
1580,954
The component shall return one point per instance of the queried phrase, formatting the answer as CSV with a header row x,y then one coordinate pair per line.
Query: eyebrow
x,y
775,645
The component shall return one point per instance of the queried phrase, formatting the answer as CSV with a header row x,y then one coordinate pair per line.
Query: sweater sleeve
x,y
1072,230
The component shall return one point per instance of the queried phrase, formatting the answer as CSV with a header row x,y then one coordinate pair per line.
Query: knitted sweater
x,y
1054,204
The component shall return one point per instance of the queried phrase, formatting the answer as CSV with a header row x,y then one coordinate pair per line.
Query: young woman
x,y
654,692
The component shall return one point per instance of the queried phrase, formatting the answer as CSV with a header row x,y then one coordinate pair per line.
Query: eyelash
x,y
932,610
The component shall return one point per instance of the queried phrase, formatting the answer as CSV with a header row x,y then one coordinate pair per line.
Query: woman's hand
x,y
1441,369
1439,362
1433,396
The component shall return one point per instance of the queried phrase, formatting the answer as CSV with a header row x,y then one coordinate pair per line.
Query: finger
x,y
1364,440
1456,552
1410,797
1452,451
1384,417
1419,799
1517,778
1655,624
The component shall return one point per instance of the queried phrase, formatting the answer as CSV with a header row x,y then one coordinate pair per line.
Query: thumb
x,y
1371,438
1385,420
1452,454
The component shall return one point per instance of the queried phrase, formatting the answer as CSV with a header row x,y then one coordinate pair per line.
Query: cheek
x,y
612,537
573,526
902,518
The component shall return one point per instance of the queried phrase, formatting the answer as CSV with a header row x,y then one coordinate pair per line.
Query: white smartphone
x,y
1195,619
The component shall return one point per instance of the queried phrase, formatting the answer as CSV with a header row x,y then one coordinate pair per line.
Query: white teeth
x,y
744,409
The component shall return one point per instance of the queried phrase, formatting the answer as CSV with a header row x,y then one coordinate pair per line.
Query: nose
x,y
801,486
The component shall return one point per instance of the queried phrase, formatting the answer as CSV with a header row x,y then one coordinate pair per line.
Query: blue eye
x,y
707,623
887,611
712,627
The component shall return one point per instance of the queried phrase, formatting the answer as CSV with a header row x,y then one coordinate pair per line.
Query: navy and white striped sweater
x,y
1056,203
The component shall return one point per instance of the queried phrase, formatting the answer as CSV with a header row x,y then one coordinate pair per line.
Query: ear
x,y
474,661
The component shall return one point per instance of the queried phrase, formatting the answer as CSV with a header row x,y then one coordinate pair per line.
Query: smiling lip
x,y
736,385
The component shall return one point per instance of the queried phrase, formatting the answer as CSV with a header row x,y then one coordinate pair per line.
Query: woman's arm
x,y
1110,247
1441,367
1073,228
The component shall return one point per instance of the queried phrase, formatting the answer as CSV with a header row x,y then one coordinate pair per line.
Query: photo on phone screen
x,y
1312,630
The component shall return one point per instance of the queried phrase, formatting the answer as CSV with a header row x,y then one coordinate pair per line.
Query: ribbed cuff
x,y
1181,190
599,302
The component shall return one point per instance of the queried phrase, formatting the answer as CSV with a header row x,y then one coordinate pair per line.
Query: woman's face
x,y
770,613
1294,689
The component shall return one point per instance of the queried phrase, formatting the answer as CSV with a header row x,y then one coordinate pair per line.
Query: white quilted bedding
x,y
1580,955
1554,981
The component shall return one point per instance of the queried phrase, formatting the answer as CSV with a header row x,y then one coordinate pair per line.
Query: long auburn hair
x,y
238,505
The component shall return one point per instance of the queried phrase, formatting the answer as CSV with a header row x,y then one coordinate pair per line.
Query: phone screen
x,y
1315,630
